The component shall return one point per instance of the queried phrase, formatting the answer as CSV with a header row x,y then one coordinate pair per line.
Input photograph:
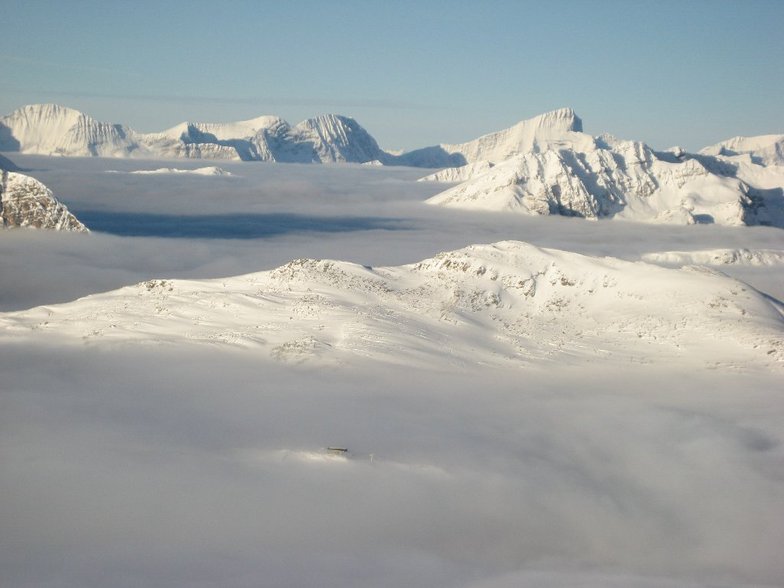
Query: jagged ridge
x,y
49,129
578,175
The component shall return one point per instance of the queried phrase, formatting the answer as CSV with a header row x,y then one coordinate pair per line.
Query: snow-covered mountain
x,y
718,257
337,138
509,302
551,130
543,165
574,174
763,149
626,180
26,202
49,129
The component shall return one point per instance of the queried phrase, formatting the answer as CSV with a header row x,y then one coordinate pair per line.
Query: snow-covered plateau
x,y
506,303
302,375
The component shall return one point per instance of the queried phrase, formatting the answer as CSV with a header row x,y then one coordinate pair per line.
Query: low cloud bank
x,y
188,469
183,467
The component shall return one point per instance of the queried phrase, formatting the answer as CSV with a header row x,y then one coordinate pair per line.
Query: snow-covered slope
x,y
543,165
210,170
251,140
718,257
325,139
486,304
459,174
193,132
26,202
49,129
551,130
626,181
337,138
607,177
763,149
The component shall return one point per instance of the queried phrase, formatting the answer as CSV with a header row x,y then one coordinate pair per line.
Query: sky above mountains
x,y
412,73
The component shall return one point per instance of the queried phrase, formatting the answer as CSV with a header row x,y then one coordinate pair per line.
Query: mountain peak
x,y
563,119
51,129
330,123
46,111
338,138
47,116
26,202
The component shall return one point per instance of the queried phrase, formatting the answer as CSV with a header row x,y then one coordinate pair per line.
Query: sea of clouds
x,y
175,466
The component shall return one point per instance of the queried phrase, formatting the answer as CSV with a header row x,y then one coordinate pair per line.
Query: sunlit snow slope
x,y
573,174
541,166
485,304
49,129
763,149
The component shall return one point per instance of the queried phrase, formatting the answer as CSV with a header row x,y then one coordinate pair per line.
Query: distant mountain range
x,y
543,165
49,129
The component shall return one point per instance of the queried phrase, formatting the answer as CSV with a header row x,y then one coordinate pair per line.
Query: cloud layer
x,y
171,467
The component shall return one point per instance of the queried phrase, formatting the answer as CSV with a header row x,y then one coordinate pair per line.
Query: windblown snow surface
x,y
306,377
507,302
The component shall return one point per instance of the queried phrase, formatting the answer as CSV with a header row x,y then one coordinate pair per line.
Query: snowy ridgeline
x,y
504,304
559,170
718,257
48,129
541,166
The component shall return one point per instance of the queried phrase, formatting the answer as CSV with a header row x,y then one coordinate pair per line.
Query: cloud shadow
x,y
229,226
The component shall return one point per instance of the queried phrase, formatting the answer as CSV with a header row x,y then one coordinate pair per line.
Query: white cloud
x,y
130,466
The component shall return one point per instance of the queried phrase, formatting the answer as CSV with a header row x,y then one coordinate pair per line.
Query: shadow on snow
x,y
228,226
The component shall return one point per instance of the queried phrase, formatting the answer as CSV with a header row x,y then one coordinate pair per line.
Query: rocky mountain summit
x,y
26,202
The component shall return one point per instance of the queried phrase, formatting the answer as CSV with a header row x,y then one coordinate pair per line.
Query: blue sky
x,y
412,73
